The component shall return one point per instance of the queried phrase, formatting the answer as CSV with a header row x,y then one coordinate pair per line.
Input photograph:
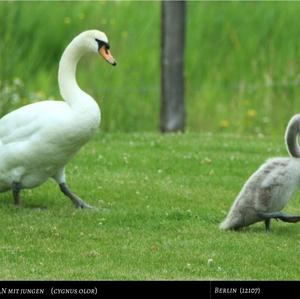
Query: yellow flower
x,y
224,124
251,113
40,94
67,20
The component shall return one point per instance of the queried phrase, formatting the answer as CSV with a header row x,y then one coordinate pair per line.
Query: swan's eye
x,y
101,44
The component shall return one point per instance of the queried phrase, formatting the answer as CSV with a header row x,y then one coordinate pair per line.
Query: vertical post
x,y
172,113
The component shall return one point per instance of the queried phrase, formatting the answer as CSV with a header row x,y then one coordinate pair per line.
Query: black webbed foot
x,y
78,202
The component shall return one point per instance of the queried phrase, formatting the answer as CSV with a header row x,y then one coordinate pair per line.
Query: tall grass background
x,y
241,61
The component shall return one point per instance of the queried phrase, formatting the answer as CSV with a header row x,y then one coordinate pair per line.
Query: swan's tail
x,y
291,133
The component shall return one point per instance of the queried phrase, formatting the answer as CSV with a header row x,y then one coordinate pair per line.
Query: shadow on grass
x,y
8,204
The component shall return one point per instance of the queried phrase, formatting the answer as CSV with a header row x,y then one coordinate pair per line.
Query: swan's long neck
x,y
291,135
69,89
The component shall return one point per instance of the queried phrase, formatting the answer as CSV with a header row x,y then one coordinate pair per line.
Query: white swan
x,y
38,140
269,189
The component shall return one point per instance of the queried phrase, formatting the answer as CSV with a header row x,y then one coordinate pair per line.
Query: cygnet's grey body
x,y
269,189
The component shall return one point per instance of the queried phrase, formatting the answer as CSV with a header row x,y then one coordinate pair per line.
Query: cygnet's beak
x,y
107,55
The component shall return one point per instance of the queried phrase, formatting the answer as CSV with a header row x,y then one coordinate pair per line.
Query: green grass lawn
x,y
160,199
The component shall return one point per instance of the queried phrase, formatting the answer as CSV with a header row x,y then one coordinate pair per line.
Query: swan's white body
x,y
38,140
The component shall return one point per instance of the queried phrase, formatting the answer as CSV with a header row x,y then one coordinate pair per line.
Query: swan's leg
x,y
60,178
79,203
16,188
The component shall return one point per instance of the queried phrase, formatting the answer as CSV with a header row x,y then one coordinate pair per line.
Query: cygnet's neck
x,y
291,135
69,89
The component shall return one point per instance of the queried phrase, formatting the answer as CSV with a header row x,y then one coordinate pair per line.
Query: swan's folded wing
x,y
28,121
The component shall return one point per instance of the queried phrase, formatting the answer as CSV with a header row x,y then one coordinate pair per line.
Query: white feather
x,y
38,140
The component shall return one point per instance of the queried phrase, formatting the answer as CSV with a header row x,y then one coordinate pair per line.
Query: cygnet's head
x,y
96,41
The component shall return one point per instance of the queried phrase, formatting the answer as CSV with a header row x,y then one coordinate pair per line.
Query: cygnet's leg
x,y
267,218
279,215
60,178
284,217
16,188
268,225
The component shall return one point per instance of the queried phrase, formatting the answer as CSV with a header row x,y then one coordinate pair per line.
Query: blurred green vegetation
x,y
241,61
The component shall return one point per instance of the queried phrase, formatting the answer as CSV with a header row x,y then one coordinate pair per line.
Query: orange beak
x,y
107,55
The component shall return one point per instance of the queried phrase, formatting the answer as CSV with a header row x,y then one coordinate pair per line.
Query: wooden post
x,y
172,115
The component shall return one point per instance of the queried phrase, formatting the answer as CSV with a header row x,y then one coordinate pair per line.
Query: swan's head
x,y
97,41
